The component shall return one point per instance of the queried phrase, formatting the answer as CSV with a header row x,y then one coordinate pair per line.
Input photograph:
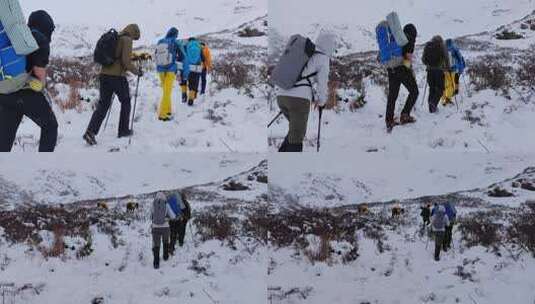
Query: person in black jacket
x,y
436,59
402,75
186,216
31,101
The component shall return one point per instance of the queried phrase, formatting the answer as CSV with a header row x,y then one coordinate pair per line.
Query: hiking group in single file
x,y
303,71
25,55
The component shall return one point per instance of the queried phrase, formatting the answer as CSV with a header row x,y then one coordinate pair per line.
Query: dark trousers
x,y
396,77
435,80
193,81
178,233
110,85
203,81
35,106
448,237
439,243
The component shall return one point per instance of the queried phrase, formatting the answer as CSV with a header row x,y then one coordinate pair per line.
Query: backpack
x,y
292,63
164,55
159,212
457,61
193,51
433,55
391,39
175,203
106,50
13,75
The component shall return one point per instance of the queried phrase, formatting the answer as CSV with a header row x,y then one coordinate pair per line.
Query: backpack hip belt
x,y
195,68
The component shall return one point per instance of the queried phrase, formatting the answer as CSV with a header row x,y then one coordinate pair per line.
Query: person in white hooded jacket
x,y
295,103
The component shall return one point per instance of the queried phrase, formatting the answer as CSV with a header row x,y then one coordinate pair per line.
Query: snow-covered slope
x,y
105,251
369,177
355,21
80,23
330,250
230,117
482,119
53,179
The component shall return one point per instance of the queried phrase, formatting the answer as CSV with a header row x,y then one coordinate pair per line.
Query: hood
x,y
132,30
172,33
441,210
42,22
437,39
326,42
411,32
160,196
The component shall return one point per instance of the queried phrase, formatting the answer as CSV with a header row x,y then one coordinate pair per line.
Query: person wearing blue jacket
x,y
190,84
169,60
451,212
180,209
458,64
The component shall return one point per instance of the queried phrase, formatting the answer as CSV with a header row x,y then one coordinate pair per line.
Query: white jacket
x,y
320,64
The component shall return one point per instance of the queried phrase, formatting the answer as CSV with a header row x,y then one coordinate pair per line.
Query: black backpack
x,y
105,51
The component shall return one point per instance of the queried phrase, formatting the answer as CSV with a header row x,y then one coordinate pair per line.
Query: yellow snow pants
x,y
167,80
449,87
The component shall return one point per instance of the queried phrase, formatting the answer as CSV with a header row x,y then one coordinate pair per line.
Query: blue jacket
x,y
458,63
177,49
451,212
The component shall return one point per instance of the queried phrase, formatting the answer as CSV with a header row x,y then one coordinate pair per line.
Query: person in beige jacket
x,y
113,81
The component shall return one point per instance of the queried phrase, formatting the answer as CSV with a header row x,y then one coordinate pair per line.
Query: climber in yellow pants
x,y
450,88
167,80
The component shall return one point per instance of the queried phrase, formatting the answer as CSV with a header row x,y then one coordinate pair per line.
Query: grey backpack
x,y
397,30
293,61
159,211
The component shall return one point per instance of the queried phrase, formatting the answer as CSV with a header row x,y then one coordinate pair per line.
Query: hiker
x,y
403,75
23,80
180,206
452,76
168,50
451,212
190,84
439,223
206,66
295,102
161,215
436,58
425,213
113,81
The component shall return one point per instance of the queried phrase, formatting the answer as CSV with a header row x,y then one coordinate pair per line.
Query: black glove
x,y
140,73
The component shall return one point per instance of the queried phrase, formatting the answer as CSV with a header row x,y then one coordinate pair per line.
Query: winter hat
x,y
326,42
41,21
410,31
172,33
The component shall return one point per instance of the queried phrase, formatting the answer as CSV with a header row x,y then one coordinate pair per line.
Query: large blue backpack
x,y
391,39
458,64
11,64
194,52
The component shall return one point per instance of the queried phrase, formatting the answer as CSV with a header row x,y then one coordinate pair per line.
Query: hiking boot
x,y
89,138
184,97
284,145
406,119
294,148
190,103
390,126
156,255
164,119
165,251
433,109
437,259
126,133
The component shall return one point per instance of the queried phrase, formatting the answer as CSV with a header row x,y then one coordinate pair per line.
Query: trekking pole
x,y
468,91
134,111
319,129
274,119
425,92
108,116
